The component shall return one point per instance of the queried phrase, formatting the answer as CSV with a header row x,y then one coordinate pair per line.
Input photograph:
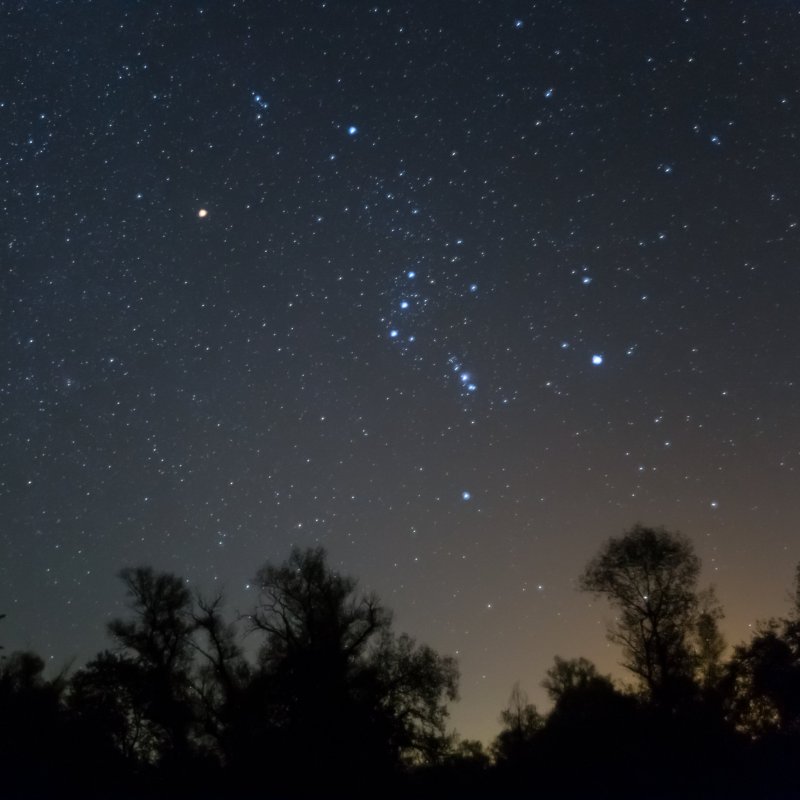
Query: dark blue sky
x,y
478,285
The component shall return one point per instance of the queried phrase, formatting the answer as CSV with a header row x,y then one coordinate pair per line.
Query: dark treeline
x,y
335,703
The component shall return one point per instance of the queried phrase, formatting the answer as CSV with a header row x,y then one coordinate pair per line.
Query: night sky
x,y
456,290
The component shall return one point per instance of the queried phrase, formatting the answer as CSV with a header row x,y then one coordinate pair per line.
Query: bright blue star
x,y
394,333
465,495
597,360
473,287
464,377
352,130
715,140
518,23
549,93
412,275
471,387
404,304
586,280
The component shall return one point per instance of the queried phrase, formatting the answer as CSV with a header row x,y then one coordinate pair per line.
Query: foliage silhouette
x,y
568,677
762,680
156,670
31,726
336,703
341,690
521,724
666,628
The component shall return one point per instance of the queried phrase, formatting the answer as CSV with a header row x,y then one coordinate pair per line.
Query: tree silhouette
x,y
157,641
32,758
590,723
411,687
305,608
336,703
465,771
649,575
160,630
521,723
340,690
710,644
568,676
222,678
763,676
110,705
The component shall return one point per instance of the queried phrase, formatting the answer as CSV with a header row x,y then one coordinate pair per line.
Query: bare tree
x,y
303,606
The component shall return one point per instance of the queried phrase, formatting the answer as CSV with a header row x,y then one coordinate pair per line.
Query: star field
x,y
456,290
